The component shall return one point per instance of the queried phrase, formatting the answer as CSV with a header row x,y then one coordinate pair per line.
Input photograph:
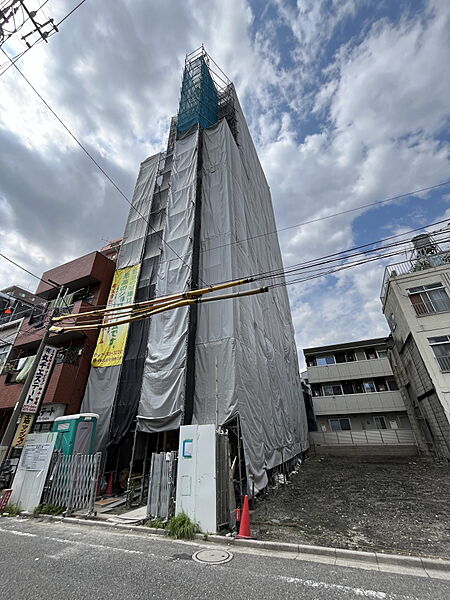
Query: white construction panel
x,y
196,479
32,470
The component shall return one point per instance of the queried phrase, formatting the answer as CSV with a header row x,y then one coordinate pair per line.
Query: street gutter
x,y
421,566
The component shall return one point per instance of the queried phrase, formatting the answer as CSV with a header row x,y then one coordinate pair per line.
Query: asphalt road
x,y
54,561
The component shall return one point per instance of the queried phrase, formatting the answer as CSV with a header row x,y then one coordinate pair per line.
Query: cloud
x,y
345,109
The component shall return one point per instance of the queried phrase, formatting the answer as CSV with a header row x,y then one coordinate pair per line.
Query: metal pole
x,y
8,436
239,460
130,472
144,468
216,370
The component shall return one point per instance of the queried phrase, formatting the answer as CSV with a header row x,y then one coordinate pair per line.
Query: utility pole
x,y
6,443
10,18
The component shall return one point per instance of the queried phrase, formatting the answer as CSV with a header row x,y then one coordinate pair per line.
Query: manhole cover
x,y
212,557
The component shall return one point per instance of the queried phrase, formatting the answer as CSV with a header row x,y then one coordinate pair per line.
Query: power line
x,y
333,215
14,59
335,269
26,270
101,169
342,254
311,264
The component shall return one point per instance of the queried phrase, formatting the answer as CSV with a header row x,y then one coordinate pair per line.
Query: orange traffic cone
x,y
244,529
110,486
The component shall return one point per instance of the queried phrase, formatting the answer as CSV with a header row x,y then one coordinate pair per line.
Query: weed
x,y
12,509
181,527
156,523
48,509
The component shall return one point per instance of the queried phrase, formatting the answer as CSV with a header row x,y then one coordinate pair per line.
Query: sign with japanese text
x,y
49,412
23,429
40,379
36,456
111,341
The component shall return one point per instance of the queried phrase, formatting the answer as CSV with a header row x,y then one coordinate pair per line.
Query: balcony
x,y
358,369
358,403
391,437
413,265
33,329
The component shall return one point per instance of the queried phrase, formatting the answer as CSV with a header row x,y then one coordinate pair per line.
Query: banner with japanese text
x,y
111,341
23,429
40,380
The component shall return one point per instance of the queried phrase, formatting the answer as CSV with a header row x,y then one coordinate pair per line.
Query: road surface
x,y
51,561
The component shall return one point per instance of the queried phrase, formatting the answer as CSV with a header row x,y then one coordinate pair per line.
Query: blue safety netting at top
x,y
199,100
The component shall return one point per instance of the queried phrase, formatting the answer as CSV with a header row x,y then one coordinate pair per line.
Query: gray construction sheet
x,y
163,386
252,338
103,381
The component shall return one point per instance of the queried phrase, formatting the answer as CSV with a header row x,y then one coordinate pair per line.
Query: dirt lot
x,y
396,505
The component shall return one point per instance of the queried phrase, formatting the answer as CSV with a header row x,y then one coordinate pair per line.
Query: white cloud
x,y
381,106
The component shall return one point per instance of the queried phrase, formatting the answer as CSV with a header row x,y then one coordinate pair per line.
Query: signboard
x,y
23,429
188,447
111,341
32,469
4,499
49,412
35,456
40,379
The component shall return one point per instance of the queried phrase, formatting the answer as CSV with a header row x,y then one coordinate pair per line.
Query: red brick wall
x,y
67,382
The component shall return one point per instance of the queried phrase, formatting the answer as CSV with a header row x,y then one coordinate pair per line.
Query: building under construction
x,y
202,214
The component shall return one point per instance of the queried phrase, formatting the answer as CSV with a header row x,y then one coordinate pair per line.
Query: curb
x,y
378,559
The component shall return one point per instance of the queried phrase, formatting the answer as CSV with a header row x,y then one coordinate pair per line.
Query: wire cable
x,y
39,40
97,164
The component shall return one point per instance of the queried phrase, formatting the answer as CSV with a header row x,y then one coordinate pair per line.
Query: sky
x,y
347,102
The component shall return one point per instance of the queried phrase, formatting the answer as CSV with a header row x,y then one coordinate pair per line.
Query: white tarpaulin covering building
x,y
205,216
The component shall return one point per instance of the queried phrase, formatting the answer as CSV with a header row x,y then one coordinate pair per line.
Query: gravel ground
x,y
397,505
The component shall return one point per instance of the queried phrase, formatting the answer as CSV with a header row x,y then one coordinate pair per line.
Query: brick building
x,y
87,281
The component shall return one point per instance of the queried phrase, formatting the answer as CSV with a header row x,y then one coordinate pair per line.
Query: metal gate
x,y
162,485
73,481
225,502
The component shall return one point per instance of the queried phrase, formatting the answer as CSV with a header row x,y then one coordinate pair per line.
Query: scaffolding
x,y
207,95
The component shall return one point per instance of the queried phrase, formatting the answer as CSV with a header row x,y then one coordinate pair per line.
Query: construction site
x,y
194,390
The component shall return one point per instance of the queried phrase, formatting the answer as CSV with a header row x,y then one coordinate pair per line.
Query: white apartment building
x,y
356,397
416,303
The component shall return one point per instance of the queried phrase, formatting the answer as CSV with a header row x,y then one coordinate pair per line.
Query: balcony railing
x,y
362,438
419,263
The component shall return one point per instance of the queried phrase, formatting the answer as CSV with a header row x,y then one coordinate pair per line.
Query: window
x,y
441,349
380,422
392,322
332,390
428,299
392,384
4,351
359,388
382,353
340,424
321,361
369,386
370,354
381,385
360,355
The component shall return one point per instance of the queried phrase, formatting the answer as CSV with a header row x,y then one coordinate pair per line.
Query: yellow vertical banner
x,y
23,429
111,341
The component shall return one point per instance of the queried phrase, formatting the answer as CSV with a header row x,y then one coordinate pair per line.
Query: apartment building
x,y
87,281
416,303
356,397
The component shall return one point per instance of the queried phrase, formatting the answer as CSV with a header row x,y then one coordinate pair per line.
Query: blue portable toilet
x,y
76,433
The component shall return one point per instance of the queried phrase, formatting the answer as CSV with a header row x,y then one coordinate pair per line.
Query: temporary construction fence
x,y
73,481
162,485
